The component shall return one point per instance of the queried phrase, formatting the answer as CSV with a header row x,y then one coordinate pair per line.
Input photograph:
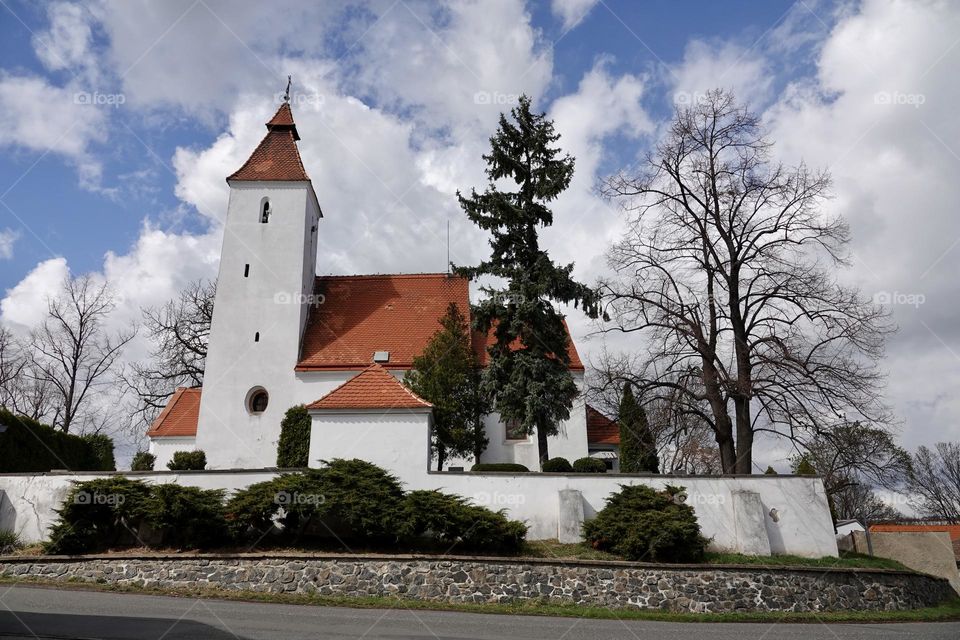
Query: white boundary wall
x,y
793,508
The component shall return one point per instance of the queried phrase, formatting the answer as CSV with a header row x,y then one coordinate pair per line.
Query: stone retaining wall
x,y
473,580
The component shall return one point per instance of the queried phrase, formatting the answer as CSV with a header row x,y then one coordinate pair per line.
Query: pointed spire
x,y
277,156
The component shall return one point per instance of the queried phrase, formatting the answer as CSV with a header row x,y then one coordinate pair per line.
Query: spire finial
x,y
286,95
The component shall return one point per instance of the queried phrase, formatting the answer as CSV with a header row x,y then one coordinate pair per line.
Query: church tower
x,y
264,290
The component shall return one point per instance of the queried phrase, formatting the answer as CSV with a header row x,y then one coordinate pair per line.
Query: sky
x,y
119,122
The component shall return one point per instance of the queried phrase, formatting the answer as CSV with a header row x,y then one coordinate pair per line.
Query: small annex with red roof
x,y
282,336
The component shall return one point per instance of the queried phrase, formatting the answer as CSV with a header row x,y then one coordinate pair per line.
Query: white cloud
x,y
8,237
44,118
24,306
66,44
707,66
572,12
881,115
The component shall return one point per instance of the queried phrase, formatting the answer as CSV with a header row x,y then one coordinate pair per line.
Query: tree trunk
x,y
542,445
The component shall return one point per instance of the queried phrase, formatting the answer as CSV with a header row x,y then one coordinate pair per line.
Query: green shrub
x,y
294,445
9,541
28,446
351,499
499,466
102,447
450,521
99,514
185,517
589,465
557,465
116,512
187,461
642,524
143,461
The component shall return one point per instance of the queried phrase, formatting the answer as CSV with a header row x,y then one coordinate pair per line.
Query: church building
x,y
283,336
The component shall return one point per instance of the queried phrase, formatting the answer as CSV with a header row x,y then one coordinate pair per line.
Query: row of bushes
x,y
582,465
553,465
29,446
180,461
349,501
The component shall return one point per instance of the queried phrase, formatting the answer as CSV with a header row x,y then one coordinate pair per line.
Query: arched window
x,y
265,211
257,400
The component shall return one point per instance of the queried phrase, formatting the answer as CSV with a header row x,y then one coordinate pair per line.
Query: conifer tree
x,y
447,375
638,449
528,376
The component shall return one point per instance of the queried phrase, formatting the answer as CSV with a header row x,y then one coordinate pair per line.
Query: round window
x,y
257,401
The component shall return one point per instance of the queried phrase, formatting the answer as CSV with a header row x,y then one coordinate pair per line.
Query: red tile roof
x,y
480,348
952,529
179,418
372,388
395,313
363,314
601,429
277,156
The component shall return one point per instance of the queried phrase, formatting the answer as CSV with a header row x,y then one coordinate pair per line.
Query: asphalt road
x,y
27,612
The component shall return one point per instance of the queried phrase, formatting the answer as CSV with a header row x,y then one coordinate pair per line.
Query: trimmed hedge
x,y
642,524
348,500
143,461
99,514
557,465
102,447
29,446
449,520
185,517
187,461
294,446
589,465
500,466
353,500
118,512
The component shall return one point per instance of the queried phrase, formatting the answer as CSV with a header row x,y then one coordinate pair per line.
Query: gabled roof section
x,y
277,157
394,313
601,429
372,388
364,314
481,343
179,418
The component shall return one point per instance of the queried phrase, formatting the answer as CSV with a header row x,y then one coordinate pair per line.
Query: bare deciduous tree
x,y
936,481
853,459
179,331
72,353
12,364
722,269
681,429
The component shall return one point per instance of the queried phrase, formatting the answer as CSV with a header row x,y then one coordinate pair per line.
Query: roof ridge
x,y
375,369
371,276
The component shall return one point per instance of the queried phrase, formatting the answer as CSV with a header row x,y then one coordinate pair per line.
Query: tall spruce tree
x,y
447,375
638,449
528,376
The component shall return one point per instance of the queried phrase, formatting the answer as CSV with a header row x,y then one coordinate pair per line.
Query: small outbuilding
x,y
372,416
